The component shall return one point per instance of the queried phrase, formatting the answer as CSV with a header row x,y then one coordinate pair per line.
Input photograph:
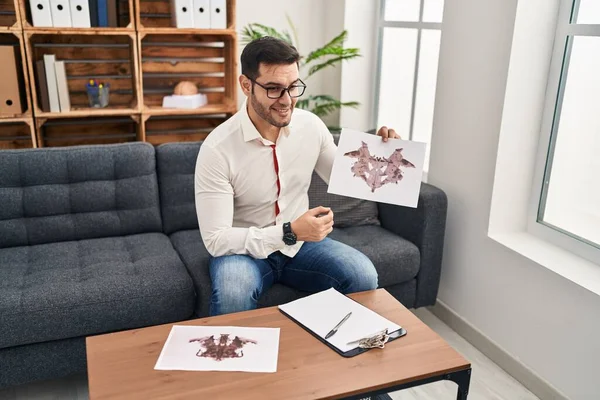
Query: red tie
x,y
277,173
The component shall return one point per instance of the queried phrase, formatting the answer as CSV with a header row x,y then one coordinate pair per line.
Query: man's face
x,y
277,112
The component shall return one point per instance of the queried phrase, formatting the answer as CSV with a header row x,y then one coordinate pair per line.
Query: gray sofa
x,y
97,239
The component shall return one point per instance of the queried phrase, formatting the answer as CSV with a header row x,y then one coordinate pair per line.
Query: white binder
x,y
61,15
202,14
40,12
49,60
218,14
80,13
62,86
182,13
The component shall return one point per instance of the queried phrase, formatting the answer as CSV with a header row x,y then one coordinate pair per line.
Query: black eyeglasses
x,y
275,92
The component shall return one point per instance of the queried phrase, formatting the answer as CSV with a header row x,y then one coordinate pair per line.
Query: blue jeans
x,y
239,280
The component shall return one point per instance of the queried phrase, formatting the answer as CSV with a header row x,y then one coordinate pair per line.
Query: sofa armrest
x,y
425,227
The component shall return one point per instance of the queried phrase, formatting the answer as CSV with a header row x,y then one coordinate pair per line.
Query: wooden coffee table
x,y
121,365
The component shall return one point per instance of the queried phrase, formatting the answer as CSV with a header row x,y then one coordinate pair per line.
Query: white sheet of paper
x,y
368,168
321,312
190,348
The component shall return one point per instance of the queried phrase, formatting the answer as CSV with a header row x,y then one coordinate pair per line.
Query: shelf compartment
x,y
87,131
179,128
208,61
106,58
15,40
156,14
124,19
9,15
17,133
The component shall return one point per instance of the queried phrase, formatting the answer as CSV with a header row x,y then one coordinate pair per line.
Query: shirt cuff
x,y
273,239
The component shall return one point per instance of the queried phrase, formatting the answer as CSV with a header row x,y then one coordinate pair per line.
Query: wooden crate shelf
x,y
17,133
14,38
9,16
159,129
156,14
86,131
107,58
209,61
142,59
125,11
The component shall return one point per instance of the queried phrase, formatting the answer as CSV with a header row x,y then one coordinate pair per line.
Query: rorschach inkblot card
x,y
368,168
220,348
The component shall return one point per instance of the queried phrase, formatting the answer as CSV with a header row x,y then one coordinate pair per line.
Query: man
x,y
251,183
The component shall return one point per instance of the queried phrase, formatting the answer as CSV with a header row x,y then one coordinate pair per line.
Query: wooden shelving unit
x,y
143,60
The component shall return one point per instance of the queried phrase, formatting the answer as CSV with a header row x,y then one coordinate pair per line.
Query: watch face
x,y
289,238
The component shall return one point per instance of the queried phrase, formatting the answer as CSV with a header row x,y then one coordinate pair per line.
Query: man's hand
x,y
387,133
314,225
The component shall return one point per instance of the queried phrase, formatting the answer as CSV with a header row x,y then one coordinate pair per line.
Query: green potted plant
x,y
329,55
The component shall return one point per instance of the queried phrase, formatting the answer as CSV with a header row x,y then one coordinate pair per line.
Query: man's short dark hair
x,y
267,50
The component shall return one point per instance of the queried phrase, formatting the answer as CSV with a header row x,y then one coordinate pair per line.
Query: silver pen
x,y
335,329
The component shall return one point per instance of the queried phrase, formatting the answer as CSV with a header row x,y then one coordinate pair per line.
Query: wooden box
x,y
179,128
9,15
125,19
209,61
17,134
108,57
86,131
156,15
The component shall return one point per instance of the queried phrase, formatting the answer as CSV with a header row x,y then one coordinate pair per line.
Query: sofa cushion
x,y
176,165
61,194
189,245
396,260
70,289
347,211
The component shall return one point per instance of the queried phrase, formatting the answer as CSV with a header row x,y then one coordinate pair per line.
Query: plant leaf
x,y
322,105
294,31
348,54
335,43
254,31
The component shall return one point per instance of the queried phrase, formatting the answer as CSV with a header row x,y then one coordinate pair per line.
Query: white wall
x,y
547,322
359,76
316,22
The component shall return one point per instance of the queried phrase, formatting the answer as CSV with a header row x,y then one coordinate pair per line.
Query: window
x,y
409,37
566,199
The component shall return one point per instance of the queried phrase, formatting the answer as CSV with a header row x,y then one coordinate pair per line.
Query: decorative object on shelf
x,y
329,55
185,95
97,93
185,88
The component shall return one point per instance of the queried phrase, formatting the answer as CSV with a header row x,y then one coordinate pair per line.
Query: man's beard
x,y
265,113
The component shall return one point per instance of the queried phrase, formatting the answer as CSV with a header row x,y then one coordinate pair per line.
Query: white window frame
x,y
419,26
555,87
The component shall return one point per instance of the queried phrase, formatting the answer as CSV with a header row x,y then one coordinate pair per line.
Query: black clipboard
x,y
350,353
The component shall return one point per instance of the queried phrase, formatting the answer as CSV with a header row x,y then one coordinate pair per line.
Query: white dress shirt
x,y
236,184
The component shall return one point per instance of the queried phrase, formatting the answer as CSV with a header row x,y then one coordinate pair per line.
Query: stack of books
x,y
53,87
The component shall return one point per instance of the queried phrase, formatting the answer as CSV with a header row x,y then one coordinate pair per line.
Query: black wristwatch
x,y
289,237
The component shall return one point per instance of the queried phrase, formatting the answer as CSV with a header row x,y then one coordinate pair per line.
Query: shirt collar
x,y
249,130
